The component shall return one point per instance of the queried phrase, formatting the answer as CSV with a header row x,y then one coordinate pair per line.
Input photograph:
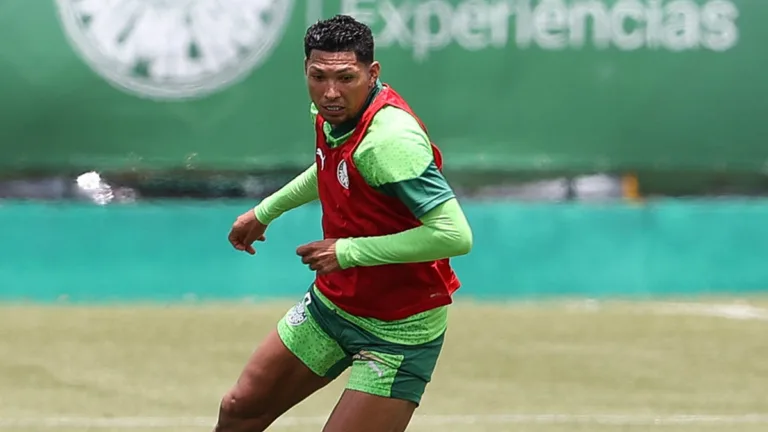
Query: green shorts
x,y
329,344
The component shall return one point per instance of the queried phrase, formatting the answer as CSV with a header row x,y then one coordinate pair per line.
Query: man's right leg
x,y
293,362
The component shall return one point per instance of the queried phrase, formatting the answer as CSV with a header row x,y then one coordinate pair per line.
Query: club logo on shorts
x,y
297,314
174,49
342,175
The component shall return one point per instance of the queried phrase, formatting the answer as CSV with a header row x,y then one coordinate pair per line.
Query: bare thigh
x,y
272,381
357,411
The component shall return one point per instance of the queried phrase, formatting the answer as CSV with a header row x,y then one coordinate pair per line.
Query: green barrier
x,y
512,85
170,251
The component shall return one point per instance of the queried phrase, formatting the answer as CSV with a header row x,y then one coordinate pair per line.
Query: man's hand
x,y
246,230
320,256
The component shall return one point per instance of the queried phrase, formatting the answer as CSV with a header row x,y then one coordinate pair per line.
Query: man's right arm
x,y
297,192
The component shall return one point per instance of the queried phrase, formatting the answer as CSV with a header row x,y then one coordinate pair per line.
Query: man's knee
x,y
242,411
238,404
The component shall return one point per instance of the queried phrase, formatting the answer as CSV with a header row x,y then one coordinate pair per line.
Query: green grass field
x,y
537,367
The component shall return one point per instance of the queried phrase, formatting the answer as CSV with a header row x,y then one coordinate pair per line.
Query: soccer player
x,y
383,283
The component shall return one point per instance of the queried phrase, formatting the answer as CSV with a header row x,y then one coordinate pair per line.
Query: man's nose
x,y
332,92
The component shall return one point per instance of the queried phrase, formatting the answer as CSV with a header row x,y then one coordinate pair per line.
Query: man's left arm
x,y
401,164
445,233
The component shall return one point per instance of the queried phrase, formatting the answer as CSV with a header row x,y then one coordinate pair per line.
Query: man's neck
x,y
347,126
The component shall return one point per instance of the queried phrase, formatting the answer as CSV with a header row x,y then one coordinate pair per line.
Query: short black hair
x,y
338,34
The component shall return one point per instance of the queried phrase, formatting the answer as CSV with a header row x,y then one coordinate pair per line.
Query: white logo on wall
x,y
174,49
342,175
427,26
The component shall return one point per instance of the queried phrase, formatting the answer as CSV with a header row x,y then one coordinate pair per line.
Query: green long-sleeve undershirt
x,y
396,158
444,232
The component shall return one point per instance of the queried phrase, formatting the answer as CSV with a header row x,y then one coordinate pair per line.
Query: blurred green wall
x,y
509,85
167,251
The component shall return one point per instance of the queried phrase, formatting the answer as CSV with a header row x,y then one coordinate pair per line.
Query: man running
x,y
383,282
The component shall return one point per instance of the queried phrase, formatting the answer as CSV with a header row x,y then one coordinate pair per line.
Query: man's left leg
x,y
385,386
358,411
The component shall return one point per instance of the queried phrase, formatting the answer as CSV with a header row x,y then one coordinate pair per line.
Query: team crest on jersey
x,y
174,49
342,174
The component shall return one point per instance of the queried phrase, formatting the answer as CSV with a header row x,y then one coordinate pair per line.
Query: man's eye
x,y
347,78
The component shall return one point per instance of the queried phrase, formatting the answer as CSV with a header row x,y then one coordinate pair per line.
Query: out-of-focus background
x,y
610,155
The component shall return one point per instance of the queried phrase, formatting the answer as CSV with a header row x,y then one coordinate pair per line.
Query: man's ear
x,y
374,70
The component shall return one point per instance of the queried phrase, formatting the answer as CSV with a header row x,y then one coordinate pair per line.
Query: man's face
x,y
339,84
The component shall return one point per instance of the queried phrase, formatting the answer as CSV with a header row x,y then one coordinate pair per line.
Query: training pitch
x,y
536,367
